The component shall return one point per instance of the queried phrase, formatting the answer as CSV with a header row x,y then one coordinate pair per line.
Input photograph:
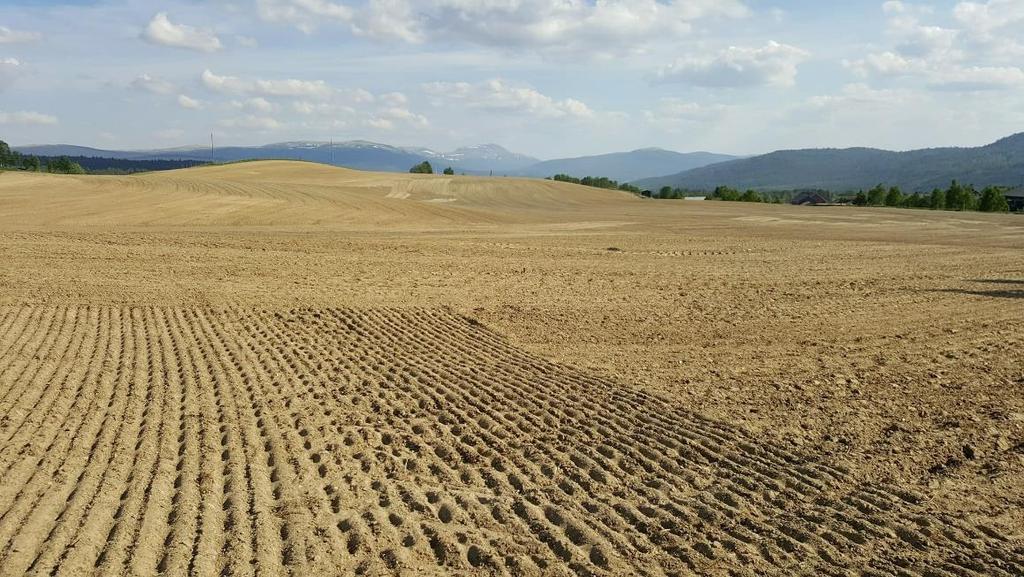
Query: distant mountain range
x,y
625,166
355,154
363,155
840,170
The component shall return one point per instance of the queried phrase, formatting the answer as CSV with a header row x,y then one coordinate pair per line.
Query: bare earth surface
x,y
280,368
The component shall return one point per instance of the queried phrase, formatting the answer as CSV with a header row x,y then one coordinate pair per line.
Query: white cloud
x,y
256,104
981,55
190,103
8,36
288,87
678,111
161,30
380,123
885,64
399,114
303,14
860,115
607,26
973,78
247,42
773,64
10,70
225,84
988,17
394,99
292,87
358,107
152,84
169,133
251,122
27,118
858,96
321,108
994,27
500,96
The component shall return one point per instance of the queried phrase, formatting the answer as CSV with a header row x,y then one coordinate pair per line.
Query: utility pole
x,y
332,152
213,157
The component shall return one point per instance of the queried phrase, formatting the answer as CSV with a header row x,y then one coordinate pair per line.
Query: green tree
x,y
937,201
916,200
993,199
750,196
665,192
725,193
861,199
64,165
970,198
422,168
894,197
30,163
956,197
5,154
876,196
449,171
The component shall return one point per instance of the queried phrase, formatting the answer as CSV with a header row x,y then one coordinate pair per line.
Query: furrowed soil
x,y
281,368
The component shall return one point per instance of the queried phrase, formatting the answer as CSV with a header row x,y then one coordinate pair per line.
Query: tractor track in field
x,y
251,442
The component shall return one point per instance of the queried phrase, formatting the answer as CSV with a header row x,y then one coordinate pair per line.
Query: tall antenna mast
x,y
332,152
213,157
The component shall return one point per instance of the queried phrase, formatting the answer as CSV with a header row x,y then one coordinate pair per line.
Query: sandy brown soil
x,y
280,368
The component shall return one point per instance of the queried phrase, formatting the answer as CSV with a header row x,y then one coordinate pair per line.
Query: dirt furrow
x,y
247,442
64,449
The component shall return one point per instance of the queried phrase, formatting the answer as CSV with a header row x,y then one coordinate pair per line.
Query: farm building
x,y
810,197
1015,198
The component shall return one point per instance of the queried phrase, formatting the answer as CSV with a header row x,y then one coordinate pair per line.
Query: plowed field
x,y
234,382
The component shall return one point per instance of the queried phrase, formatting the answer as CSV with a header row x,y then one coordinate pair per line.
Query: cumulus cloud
x,y
169,133
190,103
247,42
251,122
161,30
8,36
27,118
386,118
259,87
988,17
256,104
152,84
858,105
500,96
605,26
10,70
308,108
677,111
859,95
981,54
303,14
974,78
773,64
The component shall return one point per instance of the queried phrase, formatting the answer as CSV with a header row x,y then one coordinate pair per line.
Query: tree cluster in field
x,y
14,160
956,197
422,168
425,168
732,194
597,182
100,165
750,195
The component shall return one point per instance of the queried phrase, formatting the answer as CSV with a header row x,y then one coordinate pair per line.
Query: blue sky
x,y
555,78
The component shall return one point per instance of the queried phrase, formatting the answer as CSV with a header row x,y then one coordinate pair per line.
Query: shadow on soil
x,y
1006,293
